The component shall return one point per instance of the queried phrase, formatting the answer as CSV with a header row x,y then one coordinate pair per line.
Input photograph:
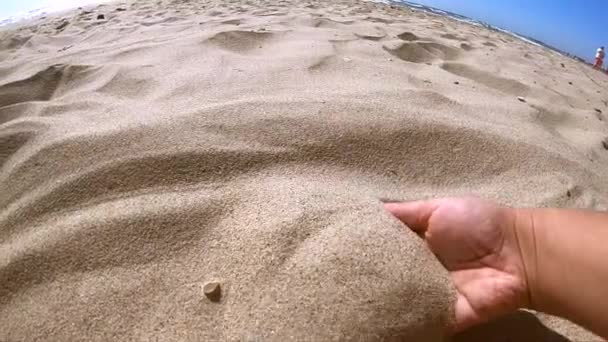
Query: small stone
x,y
568,193
598,110
390,59
605,143
563,65
346,59
101,17
120,9
456,82
570,83
521,99
212,291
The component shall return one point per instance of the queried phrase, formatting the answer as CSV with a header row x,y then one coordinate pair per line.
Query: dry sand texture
x,y
171,144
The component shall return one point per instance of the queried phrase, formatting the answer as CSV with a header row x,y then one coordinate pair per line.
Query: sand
x,y
171,145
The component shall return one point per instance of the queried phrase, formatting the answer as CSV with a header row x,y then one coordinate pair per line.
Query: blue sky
x,y
575,26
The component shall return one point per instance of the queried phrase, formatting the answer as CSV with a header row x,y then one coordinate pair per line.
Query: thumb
x,y
415,215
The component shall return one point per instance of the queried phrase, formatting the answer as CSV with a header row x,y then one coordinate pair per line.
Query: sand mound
x,y
212,170
240,41
407,36
422,52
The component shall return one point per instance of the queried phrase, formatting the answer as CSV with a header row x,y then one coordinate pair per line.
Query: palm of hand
x,y
473,240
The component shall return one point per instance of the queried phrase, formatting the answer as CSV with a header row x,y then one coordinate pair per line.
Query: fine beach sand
x,y
176,143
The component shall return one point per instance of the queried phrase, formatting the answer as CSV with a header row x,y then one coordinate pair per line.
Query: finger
x,y
465,315
415,215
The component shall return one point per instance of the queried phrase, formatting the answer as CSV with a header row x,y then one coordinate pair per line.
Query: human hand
x,y
476,242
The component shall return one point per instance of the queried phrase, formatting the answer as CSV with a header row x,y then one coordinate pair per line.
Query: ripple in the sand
x,y
451,36
10,143
13,42
379,20
502,84
232,22
330,23
466,47
370,34
39,87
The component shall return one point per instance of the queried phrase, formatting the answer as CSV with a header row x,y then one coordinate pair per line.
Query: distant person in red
x,y
599,58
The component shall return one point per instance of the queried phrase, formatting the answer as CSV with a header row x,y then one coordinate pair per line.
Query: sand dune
x,y
150,148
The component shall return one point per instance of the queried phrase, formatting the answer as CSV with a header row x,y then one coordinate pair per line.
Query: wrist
x,y
525,232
